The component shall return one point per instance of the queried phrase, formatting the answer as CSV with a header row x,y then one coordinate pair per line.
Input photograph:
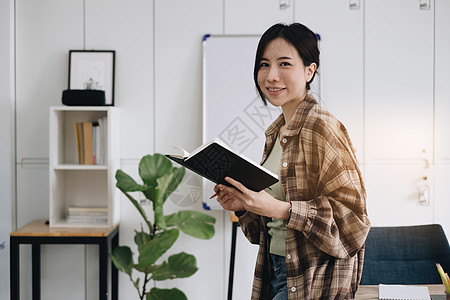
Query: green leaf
x,y
176,180
183,264
160,272
140,210
186,215
155,248
162,185
122,257
153,167
127,184
193,223
136,283
141,238
144,269
151,193
198,230
179,266
166,294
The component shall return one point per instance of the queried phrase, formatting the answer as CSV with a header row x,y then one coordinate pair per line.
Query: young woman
x,y
312,225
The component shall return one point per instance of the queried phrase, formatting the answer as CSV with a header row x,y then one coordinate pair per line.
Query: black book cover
x,y
216,162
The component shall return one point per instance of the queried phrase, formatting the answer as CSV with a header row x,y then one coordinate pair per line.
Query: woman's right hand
x,y
237,197
227,201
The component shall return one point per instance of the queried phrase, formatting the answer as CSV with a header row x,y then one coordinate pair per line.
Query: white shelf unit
x,y
72,184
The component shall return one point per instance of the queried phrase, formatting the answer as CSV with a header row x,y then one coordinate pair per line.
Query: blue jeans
x,y
278,284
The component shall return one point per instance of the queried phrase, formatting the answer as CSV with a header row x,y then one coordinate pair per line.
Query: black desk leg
x,y
114,271
36,270
14,269
233,255
103,268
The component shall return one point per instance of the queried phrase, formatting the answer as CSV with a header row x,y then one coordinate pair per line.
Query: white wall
x,y
6,138
442,120
158,90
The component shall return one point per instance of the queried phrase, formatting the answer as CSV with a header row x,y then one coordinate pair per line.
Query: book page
x,y
199,149
181,152
389,291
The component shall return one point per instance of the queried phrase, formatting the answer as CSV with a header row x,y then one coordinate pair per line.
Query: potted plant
x,y
159,179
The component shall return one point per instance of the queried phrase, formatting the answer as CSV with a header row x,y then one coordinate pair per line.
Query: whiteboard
x,y
232,108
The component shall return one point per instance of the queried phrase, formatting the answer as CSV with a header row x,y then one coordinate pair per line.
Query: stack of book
x,y
87,215
91,142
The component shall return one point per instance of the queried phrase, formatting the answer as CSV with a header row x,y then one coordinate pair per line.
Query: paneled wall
x,y
45,32
441,153
399,108
6,138
383,73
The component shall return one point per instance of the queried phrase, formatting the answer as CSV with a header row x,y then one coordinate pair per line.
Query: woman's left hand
x,y
260,203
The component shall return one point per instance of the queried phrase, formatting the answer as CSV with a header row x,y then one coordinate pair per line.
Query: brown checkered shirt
x,y
328,225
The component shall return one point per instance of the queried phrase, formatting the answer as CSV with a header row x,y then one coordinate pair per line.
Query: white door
x,y
442,112
398,80
398,57
340,27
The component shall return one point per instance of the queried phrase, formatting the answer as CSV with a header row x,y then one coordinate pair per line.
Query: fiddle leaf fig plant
x,y
159,180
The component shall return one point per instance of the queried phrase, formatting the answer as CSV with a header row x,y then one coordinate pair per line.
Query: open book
x,y
215,161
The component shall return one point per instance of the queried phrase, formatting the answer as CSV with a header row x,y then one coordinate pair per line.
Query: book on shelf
x,y
94,142
87,210
102,141
88,143
215,161
96,215
80,143
87,219
91,142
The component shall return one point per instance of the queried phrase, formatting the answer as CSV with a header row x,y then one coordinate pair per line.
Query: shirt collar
x,y
295,124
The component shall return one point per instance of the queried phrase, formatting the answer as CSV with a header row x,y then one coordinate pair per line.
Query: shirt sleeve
x,y
251,225
335,219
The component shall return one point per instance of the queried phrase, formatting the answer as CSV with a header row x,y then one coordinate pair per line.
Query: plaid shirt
x,y
328,225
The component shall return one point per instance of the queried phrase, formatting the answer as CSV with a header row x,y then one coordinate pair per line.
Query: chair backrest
x,y
405,255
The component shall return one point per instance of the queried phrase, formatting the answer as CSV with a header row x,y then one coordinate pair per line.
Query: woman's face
x,y
282,76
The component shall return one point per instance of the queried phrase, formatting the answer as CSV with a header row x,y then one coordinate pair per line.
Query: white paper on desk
x,y
403,292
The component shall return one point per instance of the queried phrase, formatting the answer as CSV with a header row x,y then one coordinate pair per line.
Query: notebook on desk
x,y
402,292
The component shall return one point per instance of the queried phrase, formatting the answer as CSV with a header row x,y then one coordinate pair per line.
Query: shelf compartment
x,y
74,184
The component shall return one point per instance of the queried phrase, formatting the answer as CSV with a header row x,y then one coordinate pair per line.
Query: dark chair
x,y
405,255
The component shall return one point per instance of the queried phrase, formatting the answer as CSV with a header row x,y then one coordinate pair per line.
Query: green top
x,y
277,228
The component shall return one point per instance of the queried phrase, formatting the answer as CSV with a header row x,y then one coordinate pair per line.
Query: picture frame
x,y
93,70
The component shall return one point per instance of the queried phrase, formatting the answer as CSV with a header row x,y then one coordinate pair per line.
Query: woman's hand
x,y
239,198
226,200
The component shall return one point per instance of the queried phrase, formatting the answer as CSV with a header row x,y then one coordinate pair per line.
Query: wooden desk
x,y
37,233
371,292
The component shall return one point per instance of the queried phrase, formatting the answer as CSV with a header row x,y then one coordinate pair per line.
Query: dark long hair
x,y
296,34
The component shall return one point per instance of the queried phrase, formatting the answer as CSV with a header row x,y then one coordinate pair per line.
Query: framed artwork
x,y
92,70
